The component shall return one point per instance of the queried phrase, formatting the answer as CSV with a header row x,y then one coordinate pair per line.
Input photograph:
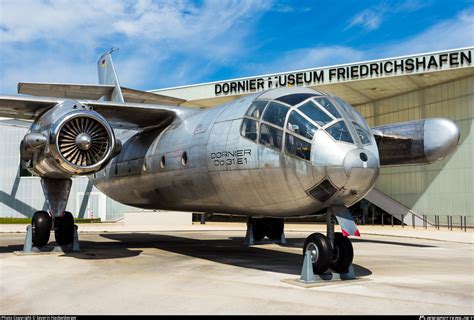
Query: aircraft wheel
x,y
258,228
320,249
64,230
41,226
274,228
343,253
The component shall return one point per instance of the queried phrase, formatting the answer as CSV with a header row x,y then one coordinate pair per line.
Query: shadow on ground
x,y
227,251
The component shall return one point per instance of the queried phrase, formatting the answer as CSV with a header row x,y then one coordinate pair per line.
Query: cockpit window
x,y
294,99
300,125
249,129
352,113
256,109
271,136
297,147
276,113
340,132
327,104
362,133
315,113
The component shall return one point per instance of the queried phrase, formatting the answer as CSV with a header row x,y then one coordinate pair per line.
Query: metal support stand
x,y
308,276
330,225
250,241
29,249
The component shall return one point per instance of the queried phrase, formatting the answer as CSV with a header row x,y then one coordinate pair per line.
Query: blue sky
x,y
171,43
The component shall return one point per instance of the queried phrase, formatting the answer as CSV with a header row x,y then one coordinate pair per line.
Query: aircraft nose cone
x,y
362,168
360,159
83,141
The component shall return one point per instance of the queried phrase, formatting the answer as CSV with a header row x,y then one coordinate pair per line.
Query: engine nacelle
x,y
69,139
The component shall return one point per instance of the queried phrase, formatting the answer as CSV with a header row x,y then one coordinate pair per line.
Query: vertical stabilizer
x,y
107,75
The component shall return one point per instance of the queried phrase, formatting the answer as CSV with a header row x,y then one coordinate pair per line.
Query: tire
x,y
274,228
343,253
41,226
321,249
258,228
64,230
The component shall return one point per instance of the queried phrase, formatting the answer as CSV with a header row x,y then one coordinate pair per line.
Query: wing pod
x,y
416,142
69,139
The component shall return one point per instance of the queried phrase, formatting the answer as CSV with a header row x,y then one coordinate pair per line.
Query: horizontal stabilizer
x,y
93,92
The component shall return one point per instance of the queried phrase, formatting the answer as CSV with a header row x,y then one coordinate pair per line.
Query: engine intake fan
x,y
83,142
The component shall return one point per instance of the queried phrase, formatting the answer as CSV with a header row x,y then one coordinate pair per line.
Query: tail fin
x,y
107,75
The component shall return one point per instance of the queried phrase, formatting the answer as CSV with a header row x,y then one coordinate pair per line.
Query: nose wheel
x,y
320,250
324,255
332,251
343,253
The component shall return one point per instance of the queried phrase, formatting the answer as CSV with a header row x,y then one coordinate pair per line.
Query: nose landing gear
x,y
333,251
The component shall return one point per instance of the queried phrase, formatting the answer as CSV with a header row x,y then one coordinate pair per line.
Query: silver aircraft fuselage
x,y
296,157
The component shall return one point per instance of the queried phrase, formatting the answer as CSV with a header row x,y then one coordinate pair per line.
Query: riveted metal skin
x,y
228,173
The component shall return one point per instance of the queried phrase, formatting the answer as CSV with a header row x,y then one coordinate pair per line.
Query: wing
x,y
120,115
93,92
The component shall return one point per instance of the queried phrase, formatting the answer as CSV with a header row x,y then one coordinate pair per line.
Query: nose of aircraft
x,y
362,168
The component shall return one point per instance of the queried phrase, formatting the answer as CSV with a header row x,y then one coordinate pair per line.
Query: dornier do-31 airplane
x,y
284,152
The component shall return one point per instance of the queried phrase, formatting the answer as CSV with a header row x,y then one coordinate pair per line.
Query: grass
x,y
28,220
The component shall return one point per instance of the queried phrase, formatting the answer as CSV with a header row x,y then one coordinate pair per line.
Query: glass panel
x,y
352,113
256,109
326,103
295,98
298,147
270,136
275,113
249,129
298,124
315,113
340,132
363,135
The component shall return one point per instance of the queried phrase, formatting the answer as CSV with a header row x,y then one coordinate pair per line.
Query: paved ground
x,y
210,272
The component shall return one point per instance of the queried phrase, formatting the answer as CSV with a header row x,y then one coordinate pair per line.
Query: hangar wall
x,y
445,187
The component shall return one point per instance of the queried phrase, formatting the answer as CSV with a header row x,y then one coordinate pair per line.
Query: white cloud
x,y
452,33
58,40
371,18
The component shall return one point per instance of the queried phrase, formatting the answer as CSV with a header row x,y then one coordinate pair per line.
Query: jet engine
x,y
69,139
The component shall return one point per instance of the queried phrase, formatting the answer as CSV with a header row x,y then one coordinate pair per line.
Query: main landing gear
x,y
259,228
333,251
56,192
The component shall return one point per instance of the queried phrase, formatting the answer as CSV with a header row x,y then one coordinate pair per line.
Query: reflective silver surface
x,y
77,141
416,142
228,173
83,141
